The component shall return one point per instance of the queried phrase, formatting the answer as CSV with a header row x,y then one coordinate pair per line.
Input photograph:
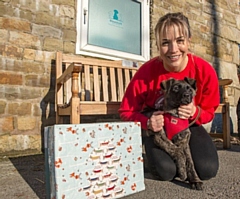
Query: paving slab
x,y
24,178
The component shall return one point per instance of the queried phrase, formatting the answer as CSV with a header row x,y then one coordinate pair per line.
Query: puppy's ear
x,y
166,84
191,82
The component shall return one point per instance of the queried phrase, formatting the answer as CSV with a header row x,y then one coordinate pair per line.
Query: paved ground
x,y
23,178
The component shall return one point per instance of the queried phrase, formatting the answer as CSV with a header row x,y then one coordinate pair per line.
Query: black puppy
x,y
174,138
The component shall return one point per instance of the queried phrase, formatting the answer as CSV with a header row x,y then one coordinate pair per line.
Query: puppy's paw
x,y
196,185
182,174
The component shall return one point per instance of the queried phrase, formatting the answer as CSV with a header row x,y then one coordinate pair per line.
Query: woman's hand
x,y
186,111
156,121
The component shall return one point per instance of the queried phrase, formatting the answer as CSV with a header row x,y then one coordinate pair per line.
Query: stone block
x,y
37,80
24,40
6,125
29,66
66,23
236,54
3,35
20,109
12,79
13,51
43,6
11,64
230,17
26,123
45,56
3,105
29,5
46,31
229,70
52,44
15,24
45,18
69,47
29,54
29,93
27,15
19,143
36,110
17,93
64,2
67,11
229,32
3,9
69,35
238,21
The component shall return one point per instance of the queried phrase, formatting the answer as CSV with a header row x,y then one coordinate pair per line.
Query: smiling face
x,y
173,48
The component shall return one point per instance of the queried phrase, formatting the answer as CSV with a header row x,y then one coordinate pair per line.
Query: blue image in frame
x,y
115,25
115,18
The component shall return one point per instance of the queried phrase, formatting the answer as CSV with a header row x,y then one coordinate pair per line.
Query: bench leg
x,y
226,127
75,112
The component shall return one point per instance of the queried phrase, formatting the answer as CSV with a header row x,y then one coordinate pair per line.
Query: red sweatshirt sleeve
x,y
134,100
208,97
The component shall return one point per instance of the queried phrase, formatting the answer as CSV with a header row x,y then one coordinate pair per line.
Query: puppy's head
x,y
178,92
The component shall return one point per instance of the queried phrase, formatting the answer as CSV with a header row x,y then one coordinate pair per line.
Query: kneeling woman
x,y
175,61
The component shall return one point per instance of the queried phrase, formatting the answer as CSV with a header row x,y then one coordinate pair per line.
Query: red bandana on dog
x,y
173,125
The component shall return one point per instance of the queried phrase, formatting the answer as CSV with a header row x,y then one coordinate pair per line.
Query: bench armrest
x,y
224,84
67,74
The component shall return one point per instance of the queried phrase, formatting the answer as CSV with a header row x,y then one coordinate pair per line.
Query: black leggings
x,y
203,152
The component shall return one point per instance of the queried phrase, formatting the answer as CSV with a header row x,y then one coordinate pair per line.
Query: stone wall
x,y
32,31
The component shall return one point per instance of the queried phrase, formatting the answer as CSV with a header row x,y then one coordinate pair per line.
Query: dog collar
x,y
174,125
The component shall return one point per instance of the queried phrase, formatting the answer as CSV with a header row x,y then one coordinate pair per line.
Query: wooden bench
x,y
88,86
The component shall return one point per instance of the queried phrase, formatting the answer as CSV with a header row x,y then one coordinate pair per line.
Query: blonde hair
x,y
171,20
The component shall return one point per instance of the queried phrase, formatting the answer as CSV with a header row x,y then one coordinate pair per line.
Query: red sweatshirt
x,y
144,89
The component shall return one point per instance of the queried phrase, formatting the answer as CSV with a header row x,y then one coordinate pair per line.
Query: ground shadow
x,y
31,168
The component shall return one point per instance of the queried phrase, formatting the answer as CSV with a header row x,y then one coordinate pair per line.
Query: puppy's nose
x,y
186,95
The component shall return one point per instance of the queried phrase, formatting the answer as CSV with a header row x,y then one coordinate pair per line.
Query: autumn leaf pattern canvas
x,y
100,160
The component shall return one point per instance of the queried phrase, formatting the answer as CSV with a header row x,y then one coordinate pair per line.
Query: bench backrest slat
x,y
67,88
96,84
127,78
105,84
120,84
113,85
87,87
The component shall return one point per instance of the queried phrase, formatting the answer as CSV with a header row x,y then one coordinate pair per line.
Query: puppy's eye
x,y
176,88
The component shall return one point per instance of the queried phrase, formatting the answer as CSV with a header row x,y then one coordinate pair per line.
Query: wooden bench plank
x,y
127,78
113,85
105,84
87,83
96,84
120,84
93,108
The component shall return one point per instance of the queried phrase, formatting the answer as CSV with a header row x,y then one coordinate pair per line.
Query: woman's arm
x,y
207,98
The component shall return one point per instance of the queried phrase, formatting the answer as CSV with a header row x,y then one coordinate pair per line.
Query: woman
x,y
175,61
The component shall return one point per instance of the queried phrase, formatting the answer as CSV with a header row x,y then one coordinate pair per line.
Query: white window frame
x,y
83,48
